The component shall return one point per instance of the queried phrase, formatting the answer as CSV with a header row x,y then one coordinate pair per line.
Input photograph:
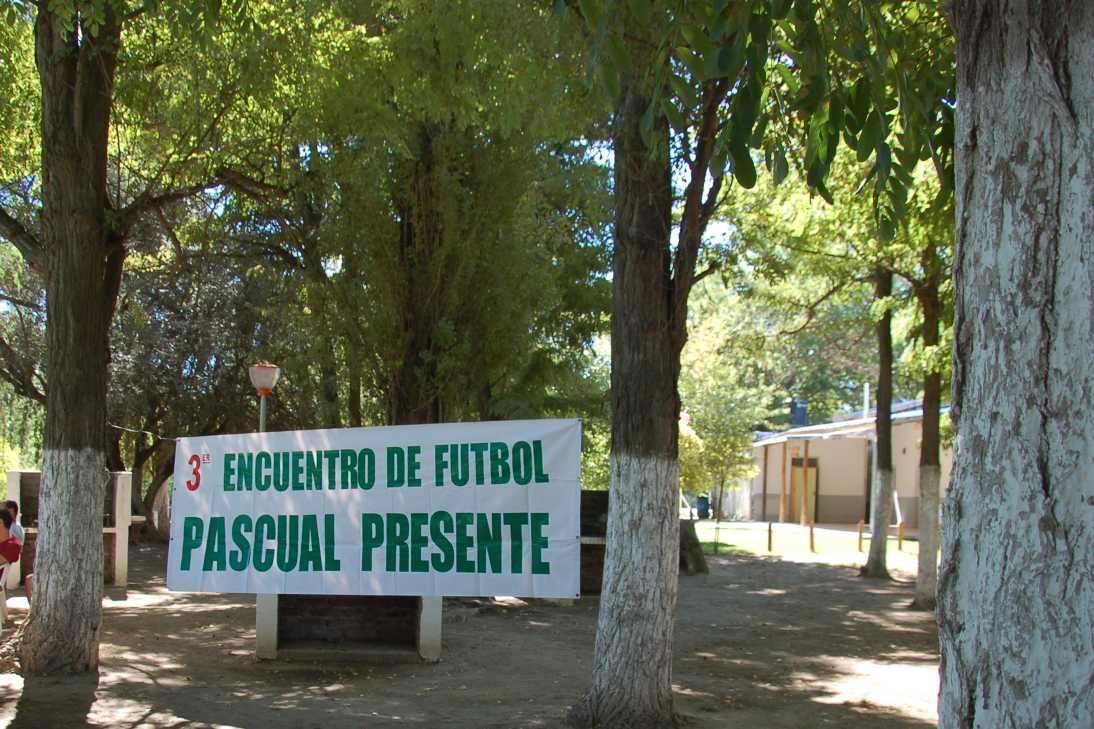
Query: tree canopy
x,y
410,208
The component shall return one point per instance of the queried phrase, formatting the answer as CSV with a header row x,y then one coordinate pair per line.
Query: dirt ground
x,y
759,642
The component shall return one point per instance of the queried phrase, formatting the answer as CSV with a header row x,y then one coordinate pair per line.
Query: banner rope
x,y
145,432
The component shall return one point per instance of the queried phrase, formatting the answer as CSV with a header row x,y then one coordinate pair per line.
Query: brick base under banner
x,y
592,568
385,620
386,629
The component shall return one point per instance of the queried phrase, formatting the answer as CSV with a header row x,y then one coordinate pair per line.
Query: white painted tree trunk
x,y
160,514
881,513
1016,586
632,661
85,255
881,501
632,674
66,607
926,583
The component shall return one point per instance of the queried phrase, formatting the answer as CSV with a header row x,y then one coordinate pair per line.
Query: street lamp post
x,y
264,376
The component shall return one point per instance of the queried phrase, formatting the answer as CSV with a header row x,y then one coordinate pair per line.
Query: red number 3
x,y
195,461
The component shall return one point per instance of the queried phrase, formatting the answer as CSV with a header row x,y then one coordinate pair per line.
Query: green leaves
x,y
674,115
642,10
746,106
777,164
743,168
722,385
802,78
730,58
16,10
683,90
595,13
872,133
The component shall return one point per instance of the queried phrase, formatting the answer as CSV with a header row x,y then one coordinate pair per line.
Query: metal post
x,y
718,514
763,501
803,495
783,486
265,604
872,466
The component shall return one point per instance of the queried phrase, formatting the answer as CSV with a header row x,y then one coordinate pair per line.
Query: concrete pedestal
x,y
266,626
430,620
430,616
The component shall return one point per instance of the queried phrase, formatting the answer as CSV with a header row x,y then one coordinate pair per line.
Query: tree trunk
x,y
162,468
1016,589
692,559
157,502
141,455
930,470
882,501
632,662
84,271
136,492
159,511
353,401
352,347
414,395
114,461
330,407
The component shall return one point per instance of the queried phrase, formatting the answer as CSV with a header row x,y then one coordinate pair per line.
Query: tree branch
x,y
19,372
285,256
692,223
171,235
811,307
240,182
712,268
21,302
145,202
135,13
710,205
27,245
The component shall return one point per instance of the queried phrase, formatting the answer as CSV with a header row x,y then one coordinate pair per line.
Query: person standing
x,y
16,532
10,549
16,528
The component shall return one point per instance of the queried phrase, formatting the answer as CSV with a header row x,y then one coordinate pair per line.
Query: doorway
x,y
807,479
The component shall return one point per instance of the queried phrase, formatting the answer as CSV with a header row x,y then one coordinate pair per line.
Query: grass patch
x,y
724,547
793,540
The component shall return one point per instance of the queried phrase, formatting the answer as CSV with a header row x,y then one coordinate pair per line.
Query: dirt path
x,y
760,642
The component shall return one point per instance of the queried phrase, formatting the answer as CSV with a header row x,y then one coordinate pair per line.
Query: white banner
x,y
471,509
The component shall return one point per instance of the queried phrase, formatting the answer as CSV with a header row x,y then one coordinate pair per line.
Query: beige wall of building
x,y
841,464
907,438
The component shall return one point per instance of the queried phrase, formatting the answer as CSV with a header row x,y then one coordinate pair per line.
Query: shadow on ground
x,y
65,700
804,645
759,642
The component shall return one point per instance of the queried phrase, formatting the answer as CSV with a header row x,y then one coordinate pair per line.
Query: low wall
x,y
757,506
840,509
26,559
383,620
594,530
24,487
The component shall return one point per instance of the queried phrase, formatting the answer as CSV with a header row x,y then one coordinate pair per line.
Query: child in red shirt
x,y
10,548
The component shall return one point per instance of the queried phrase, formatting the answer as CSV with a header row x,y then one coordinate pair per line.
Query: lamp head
x,y
264,376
